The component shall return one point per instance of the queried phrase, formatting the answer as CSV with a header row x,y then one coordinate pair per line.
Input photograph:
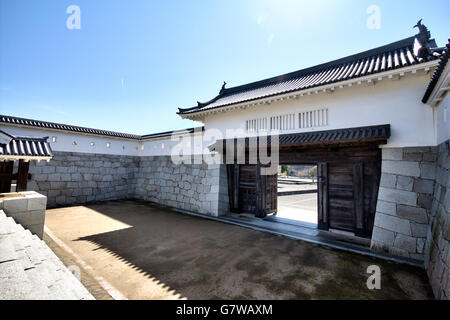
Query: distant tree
x,y
313,173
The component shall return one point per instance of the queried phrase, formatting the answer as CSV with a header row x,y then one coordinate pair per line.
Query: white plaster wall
x,y
442,120
395,102
65,141
190,143
118,146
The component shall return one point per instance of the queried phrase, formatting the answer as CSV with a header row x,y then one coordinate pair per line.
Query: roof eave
x,y
426,66
440,81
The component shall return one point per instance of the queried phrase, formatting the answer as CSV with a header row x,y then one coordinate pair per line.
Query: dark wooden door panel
x,y
340,195
6,173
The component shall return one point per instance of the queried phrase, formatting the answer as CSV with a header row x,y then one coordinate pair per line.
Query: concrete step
x,y
14,283
8,226
29,269
40,287
7,251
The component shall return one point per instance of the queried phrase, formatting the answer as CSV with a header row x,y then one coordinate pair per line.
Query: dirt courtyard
x,y
149,252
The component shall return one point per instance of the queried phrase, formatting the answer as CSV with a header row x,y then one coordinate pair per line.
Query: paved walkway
x,y
149,252
300,207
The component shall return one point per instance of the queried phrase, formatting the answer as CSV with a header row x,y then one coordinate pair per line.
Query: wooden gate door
x,y
335,196
340,196
347,196
251,192
270,191
6,173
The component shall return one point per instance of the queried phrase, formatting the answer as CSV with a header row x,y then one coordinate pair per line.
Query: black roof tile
x,y
64,127
347,135
25,147
437,73
392,56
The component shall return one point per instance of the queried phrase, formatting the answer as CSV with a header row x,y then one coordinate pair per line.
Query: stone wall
x,y
27,208
404,201
75,178
200,188
437,252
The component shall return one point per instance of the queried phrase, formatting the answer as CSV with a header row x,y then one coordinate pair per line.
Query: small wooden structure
x,y
22,149
349,170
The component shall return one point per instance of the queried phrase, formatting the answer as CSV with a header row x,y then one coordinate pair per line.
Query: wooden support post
x,y
358,200
322,199
22,175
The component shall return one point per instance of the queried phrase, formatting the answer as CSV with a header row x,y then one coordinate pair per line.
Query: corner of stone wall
x,y
404,201
28,209
437,248
194,187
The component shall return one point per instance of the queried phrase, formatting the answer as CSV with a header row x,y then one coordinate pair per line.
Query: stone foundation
x,y
437,252
413,210
200,188
75,178
404,201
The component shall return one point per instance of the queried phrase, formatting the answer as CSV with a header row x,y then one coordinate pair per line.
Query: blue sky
x,y
132,63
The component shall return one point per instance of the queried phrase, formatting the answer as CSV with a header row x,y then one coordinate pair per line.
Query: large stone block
x,y
428,171
397,196
388,180
54,177
384,236
415,214
36,201
48,169
419,230
15,205
392,153
392,223
424,186
405,183
404,168
406,243
386,207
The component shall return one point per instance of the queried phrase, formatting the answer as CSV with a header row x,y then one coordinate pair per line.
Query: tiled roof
x,y
64,127
348,135
169,133
437,73
403,53
26,147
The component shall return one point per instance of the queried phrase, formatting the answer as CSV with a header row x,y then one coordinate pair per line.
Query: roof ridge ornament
x,y
424,33
222,90
422,41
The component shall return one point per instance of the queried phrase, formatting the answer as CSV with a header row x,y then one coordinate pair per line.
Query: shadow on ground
x,y
198,258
